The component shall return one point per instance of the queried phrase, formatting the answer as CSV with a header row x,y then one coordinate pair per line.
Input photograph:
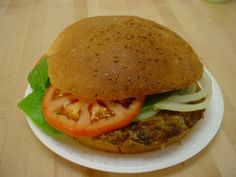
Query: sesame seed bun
x,y
118,57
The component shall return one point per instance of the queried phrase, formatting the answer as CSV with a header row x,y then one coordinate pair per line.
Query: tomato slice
x,y
77,116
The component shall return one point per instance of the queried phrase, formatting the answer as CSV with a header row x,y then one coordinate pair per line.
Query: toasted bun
x,y
118,57
156,133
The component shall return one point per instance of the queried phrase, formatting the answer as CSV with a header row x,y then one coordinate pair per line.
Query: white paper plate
x,y
194,142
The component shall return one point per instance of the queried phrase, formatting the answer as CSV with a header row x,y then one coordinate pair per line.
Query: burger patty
x,y
159,131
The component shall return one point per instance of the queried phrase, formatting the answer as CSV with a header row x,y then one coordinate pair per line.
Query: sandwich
x,y
120,84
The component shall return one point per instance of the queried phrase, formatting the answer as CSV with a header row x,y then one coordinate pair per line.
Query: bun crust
x,y
158,132
118,57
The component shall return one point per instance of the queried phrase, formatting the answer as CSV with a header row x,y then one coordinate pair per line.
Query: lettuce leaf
x,y
32,104
38,77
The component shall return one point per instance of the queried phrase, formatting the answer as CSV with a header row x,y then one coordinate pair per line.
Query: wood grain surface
x,y
28,27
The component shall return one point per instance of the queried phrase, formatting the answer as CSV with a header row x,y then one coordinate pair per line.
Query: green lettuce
x,y
38,77
32,104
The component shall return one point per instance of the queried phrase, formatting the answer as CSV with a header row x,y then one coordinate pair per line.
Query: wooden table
x,y
27,28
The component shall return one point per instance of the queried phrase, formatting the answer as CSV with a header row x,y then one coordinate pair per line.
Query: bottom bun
x,y
158,132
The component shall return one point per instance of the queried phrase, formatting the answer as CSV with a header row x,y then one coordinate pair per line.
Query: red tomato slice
x,y
77,116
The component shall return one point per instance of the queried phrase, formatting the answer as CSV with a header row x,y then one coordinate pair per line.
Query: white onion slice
x,y
146,114
205,83
169,104
183,102
183,107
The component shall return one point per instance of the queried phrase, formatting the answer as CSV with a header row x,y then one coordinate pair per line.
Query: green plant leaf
x,y
38,77
32,106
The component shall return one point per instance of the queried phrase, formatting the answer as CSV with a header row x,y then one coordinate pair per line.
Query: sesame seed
x,y
129,78
124,65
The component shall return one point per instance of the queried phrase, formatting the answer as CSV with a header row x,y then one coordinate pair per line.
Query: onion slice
x,y
205,83
176,103
183,107
186,100
146,114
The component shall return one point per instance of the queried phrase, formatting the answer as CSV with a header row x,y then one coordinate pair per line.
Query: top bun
x,y
118,57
